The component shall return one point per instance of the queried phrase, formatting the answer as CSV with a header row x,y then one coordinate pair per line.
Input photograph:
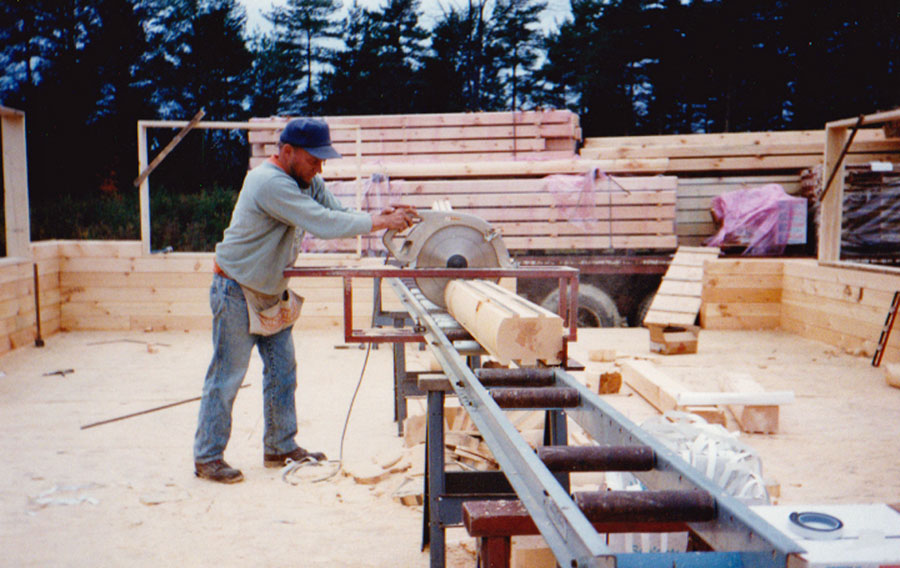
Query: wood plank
x,y
15,184
724,138
447,132
653,385
747,315
831,204
853,295
456,119
762,398
811,149
428,147
749,294
101,249
341,169
540,199
849,275
674,304
745,265
509,185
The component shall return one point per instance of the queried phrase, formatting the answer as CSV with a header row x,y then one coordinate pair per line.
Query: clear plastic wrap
x,y
574,196
871,219
764,219
376,194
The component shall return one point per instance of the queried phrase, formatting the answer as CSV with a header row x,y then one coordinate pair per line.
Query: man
x,y
280,199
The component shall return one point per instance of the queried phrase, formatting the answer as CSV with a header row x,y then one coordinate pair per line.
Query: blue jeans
x,y
232,347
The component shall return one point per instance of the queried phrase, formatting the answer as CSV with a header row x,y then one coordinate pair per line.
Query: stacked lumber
x,y
559,212
693,219
870,224
739,152
673,310
431,138
844,306
742,293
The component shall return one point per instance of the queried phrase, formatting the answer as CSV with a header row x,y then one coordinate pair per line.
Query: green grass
x,y
191,222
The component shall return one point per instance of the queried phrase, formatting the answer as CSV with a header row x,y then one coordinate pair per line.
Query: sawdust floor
x,y
125,492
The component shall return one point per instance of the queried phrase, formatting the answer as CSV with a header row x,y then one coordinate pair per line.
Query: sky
x,y
557,10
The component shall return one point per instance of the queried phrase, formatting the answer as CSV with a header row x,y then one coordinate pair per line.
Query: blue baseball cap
x,y
312,135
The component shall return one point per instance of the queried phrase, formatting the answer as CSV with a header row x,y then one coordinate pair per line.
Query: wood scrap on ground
x,y
759,418
603,380
666,393
892,374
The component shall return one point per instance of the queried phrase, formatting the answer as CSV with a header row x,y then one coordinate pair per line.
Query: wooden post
x,y
15,183
830,224
144,189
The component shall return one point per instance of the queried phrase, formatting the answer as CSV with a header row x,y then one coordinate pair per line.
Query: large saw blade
x,y
453,246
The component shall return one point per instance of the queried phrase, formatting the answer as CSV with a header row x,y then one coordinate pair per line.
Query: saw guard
x,y
458,233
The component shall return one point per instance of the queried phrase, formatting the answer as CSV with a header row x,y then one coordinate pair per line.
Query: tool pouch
x,y
270,314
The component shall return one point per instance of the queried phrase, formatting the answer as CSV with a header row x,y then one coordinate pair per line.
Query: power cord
x,y
293,466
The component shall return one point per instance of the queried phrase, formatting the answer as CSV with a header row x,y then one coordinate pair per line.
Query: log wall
x,y
17,303
742,293
108,285
842,306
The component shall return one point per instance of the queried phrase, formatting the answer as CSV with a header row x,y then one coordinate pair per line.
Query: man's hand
x,y
397,217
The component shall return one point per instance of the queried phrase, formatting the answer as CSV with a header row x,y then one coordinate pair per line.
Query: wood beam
x,y
508,326
15,183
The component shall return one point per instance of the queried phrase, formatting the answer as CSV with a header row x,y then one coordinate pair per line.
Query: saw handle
x,y
402,254
414,237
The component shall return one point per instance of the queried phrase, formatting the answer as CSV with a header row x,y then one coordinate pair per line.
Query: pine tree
x,y
467,61
515,22
353,85
300,26
400,50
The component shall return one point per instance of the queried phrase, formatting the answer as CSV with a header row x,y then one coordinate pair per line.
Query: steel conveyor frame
x,y
738,537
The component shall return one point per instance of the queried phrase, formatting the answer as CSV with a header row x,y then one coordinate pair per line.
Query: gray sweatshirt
x,y
261,242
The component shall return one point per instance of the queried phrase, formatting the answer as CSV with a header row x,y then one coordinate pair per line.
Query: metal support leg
x,y
556,433
399,380
434,477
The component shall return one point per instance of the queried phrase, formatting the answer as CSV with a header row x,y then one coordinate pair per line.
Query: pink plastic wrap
x,y
575,196
764,219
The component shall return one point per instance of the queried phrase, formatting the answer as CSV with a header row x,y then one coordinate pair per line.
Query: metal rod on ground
x,y
837,163
38,340
148,411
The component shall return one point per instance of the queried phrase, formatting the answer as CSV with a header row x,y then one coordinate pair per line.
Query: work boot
x,y
219,471
298,455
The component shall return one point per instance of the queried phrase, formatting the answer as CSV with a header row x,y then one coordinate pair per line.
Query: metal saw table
x,y
733,535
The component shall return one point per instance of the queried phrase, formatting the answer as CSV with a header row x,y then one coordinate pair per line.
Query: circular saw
x,y
447,239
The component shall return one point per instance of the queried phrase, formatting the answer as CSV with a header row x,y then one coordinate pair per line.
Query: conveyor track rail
x,y
737,536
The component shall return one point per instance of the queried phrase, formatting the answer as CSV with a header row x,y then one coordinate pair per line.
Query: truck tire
x,y
643,308
595,307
